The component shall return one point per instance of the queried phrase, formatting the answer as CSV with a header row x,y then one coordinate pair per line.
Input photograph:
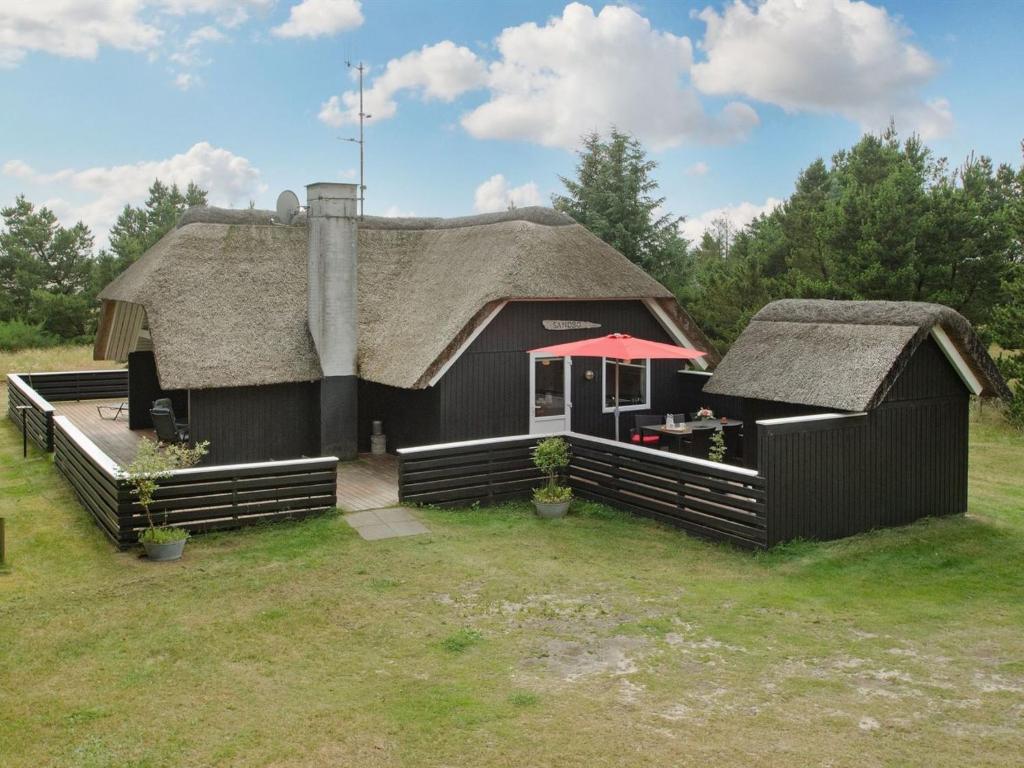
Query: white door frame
x,y
545,424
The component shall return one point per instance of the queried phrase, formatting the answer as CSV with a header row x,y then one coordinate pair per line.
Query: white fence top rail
x,y
811,417
107,464
75,373
283,464
642,450
26,389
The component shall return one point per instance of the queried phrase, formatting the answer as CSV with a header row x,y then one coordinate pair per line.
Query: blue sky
x,y
476,104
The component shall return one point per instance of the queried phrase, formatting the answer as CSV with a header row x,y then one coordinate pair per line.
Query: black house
x,y
285,339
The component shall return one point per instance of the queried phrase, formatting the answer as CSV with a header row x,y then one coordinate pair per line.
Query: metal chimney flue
x,y
332,223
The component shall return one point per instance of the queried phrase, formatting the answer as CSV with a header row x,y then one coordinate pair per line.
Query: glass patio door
x,y
550,400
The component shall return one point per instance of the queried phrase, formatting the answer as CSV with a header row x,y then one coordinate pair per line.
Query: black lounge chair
x,y
167,431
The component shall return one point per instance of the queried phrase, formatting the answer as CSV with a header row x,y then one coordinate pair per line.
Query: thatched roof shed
x,y
845,355
225,292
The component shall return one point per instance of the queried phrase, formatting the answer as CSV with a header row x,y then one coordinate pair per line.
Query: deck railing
x,y
706,498
29,397
199,499
29,411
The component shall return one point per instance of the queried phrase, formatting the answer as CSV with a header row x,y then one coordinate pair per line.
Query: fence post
x,y
24,429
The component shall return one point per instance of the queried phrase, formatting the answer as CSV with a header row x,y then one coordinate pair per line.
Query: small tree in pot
x,y
551,456
154,462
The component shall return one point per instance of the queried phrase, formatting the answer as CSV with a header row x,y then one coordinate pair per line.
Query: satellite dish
x,y
287,206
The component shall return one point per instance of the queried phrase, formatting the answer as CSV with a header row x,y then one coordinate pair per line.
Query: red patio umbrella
x,y
620,347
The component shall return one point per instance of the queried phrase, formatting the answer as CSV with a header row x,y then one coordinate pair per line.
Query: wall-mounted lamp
x,y
588,375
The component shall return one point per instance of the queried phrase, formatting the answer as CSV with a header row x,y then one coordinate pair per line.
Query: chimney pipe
x,y
333,311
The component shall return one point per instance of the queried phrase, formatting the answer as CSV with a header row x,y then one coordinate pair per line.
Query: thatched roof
x,y
225,292
843,355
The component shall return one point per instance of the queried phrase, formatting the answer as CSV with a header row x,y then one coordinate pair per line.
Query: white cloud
x,y
71,28
186,80
495,194
230,13
737,215
316,18
394,212
828,56
442,72
583,72
700,168
101,192
551,84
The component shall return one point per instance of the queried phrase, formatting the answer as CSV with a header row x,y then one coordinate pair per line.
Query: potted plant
x,y
154,462
705,413
551,456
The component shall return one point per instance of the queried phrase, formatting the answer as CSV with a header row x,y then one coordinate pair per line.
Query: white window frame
x,y
645,406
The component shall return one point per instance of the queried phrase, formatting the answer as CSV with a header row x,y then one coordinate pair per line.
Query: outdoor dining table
x,y
686,428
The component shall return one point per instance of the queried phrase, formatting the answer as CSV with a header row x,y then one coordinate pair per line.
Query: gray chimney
x,y
333,311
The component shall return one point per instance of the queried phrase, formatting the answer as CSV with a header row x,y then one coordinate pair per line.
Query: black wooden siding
x,y
144,388
904,460
280,421
486,393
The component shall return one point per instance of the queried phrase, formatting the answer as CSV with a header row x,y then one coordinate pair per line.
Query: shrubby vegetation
x,y
884,219
49,275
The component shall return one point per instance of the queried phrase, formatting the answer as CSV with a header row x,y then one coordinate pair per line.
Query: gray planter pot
x,y
163,552
550,510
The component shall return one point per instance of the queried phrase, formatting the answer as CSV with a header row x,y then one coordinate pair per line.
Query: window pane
x,y
632,384
549,387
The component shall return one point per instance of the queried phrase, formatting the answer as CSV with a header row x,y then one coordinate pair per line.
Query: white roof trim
x,y
672,329
465,344
956,359
812,417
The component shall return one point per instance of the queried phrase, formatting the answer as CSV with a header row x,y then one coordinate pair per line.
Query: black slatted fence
x,y
29,411
712,500
199,499
474,471
706,498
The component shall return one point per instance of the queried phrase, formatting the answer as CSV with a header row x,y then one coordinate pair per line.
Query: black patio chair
x,y
165,402
166,429
700,443
733,441
638,437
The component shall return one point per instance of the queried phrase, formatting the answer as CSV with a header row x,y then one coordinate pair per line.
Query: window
x,y
548,387
634,386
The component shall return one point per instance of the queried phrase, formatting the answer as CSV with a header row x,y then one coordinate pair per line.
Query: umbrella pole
x,y
616,400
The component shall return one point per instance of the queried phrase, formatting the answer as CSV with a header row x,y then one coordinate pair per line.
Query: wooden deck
x,y
112,437
370,482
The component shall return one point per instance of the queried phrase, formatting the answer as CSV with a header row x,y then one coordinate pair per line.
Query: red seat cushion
x,y
648,439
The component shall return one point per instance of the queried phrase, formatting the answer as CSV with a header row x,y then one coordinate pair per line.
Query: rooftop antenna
x,y
360,68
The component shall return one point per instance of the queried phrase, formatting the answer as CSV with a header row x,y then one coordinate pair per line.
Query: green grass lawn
x,y
502,640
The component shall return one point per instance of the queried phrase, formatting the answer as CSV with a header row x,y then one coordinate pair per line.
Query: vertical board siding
x,y
144,388
486,392
410,417
274,422
899,463
209,498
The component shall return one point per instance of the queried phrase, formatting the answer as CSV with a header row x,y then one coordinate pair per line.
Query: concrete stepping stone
x,y
387,523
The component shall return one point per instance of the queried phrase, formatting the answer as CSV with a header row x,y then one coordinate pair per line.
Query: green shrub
x,y
16,335
550,456
163,535
717,450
